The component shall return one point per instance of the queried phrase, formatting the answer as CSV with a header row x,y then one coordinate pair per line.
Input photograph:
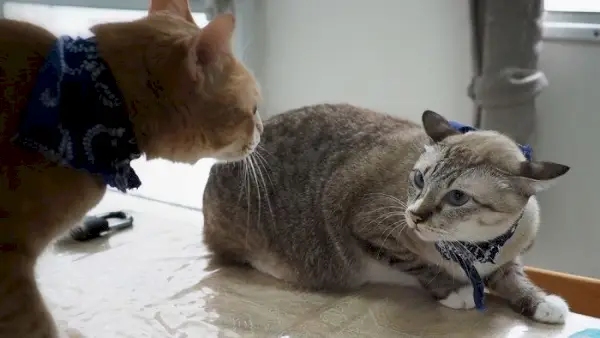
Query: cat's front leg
x,y
511,282
446,289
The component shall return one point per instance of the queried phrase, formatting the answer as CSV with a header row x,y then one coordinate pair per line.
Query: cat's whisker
x,y
242,165
265,165
389,232
387,196
264,150
450,248
391,205
254,177
439,267
394,226
377,221
474,243
393,208
454,257
397,208
463,247
246,184
265,171
264,183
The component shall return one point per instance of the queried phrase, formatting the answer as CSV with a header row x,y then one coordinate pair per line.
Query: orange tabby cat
x,y
183,95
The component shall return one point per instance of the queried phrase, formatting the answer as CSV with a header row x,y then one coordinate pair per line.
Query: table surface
x,y
156,280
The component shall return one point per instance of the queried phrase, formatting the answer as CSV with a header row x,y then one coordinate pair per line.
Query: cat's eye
x,y
457,198
418,179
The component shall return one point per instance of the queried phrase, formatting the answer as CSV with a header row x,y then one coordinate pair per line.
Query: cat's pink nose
x,y
419,217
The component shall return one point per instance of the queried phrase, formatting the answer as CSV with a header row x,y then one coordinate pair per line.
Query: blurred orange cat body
x,y
187,98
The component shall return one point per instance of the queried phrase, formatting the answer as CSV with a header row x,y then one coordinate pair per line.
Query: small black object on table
x,y
100,225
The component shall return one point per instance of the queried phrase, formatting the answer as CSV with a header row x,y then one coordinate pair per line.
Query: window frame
x,y
571,26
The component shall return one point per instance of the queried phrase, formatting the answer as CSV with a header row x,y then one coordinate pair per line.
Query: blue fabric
x,y
525,149
588,333
466,254
76,115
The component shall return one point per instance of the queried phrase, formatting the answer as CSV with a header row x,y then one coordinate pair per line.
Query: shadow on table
x,y
249,303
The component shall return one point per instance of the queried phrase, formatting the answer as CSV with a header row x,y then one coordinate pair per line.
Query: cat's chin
x,y
232,155
232,158
427,236
423,234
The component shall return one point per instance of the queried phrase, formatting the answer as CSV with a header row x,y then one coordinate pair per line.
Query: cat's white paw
x,y
460,299
552,310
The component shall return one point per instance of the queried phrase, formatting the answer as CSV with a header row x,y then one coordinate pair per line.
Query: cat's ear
x,y
214,39
534,177
177,7
437,127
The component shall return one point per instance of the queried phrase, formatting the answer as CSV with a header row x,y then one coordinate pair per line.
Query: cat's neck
x,y
125,47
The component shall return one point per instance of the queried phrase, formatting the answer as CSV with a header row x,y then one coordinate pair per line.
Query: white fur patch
x,y
267,268
461,299
552,310
376,272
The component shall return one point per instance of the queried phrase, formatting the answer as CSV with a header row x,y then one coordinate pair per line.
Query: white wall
x,y
569,132
396,56
403,56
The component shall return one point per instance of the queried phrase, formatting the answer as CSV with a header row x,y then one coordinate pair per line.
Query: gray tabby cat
x,y
350,196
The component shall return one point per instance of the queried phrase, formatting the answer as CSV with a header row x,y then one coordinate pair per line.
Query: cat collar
x,y
76,116
467,253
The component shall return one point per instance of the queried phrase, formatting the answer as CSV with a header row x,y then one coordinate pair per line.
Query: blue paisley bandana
x,y
76,115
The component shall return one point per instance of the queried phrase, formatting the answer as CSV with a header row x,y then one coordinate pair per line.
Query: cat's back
x,y
301,149
312,142
23,48
329,127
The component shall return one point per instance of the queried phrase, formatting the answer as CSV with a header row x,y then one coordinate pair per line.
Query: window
x,y
572,20
162,180
581,6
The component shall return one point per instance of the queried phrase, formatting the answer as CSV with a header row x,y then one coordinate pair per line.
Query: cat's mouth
x,y
424,232
239,151
237,154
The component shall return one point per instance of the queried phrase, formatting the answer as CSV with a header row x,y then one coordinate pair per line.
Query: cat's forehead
x,y
245,86
442,170
473,149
